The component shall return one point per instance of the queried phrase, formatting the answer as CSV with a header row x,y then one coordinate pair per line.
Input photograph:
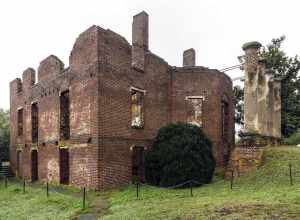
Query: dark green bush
x,y
181,152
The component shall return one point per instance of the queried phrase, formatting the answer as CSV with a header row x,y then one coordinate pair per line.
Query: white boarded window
x,y
195,110
137,109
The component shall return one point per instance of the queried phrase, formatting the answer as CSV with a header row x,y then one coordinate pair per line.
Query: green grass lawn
x,y
62,203
266,194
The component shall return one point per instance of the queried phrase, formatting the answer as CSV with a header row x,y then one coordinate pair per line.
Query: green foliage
x,y
181,152
294,139
239,104
287,69
4,135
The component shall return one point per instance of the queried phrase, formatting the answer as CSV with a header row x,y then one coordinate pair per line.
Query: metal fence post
x,y
137,190
47,189
83,202
291,176
23,185
5,181
231,180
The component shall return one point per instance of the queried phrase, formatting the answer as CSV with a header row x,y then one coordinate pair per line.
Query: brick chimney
x,y
189,57
140,37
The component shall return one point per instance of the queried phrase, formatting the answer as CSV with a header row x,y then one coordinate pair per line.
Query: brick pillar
x,y
277,109
251,83
262,98
270,103
140,32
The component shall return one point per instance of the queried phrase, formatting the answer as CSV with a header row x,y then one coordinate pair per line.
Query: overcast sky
x,y
32,30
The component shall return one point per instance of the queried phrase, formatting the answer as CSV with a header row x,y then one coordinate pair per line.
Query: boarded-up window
x,y
137,109
34,123
65,116
20,122
194,110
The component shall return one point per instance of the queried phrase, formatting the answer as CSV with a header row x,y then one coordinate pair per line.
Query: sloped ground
x,y
266,194
62,203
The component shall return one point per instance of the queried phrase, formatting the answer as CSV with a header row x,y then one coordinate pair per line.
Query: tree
x,y
239,104
287,69
181,152
4,135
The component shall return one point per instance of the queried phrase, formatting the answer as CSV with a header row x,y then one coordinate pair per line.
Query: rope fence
x,y
290,173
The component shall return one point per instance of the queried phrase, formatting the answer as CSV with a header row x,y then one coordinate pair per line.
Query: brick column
x,y
251,84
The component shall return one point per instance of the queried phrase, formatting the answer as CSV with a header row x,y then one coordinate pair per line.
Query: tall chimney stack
x,y
189,57
140,32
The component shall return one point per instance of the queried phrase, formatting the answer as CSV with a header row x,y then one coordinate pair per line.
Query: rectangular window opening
x,y
225,119
65,116
19,88
34,122
194,111
137,109
20,122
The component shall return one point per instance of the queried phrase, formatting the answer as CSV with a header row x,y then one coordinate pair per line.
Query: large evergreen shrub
x,y
181,152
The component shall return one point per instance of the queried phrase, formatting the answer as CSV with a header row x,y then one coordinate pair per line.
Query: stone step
x,y
5,171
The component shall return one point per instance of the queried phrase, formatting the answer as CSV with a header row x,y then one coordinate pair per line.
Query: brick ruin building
x,y
90,124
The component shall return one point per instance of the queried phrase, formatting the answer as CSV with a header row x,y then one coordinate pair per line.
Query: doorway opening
x,y
64,170
34,165
18,170
138,164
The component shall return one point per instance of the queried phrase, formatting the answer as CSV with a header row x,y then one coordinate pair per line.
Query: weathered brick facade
x,y
104,70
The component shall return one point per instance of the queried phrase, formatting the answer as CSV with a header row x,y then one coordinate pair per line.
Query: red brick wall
x,y
101,137
116,134
212,85
82,83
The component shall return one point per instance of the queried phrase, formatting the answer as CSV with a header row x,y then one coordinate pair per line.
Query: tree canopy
x,y
4,134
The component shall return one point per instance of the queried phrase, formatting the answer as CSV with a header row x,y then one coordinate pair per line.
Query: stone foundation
x,y
246,157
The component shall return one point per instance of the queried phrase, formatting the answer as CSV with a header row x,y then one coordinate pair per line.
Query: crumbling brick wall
x,y
212,86
104,70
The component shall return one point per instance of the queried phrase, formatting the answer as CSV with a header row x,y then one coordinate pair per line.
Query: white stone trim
x,y
62,91
195,97
132,88
19,108
134,145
